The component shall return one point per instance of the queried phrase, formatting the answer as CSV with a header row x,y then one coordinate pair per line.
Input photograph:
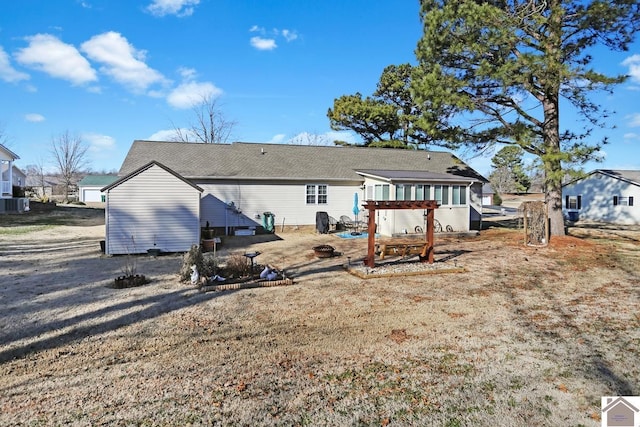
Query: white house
x,y
7,157
89,187
10,177
604,195
241,182
19,177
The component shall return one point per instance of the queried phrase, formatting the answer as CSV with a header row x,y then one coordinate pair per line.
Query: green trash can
x,y
268,222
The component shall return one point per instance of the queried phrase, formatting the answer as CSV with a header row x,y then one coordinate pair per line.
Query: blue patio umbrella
x,y
356,208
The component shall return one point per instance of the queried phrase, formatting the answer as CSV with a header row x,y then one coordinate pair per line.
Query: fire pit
x,y
324,251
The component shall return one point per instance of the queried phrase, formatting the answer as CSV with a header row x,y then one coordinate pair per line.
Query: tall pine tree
x,y
501,67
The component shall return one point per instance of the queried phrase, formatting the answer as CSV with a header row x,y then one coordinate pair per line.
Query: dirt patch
x,y
524,333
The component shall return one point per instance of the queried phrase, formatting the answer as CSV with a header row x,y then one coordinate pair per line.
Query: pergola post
x,y
371,241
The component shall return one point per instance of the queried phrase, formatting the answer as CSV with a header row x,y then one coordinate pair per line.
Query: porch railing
x,y
6,188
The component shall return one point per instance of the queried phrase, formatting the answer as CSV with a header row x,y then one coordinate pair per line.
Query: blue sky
x,y
113,71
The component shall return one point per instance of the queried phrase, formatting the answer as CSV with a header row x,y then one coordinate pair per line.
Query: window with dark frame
x,y
573,202
622,201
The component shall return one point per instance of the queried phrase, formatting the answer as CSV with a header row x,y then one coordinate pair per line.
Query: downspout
x,y
469,206
106,225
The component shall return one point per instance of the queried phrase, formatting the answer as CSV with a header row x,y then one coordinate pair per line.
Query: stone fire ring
x,y
324,251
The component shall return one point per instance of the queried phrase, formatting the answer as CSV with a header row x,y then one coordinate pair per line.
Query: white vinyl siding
x,y
286,200
152,207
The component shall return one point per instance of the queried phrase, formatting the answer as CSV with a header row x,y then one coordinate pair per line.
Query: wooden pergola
x,y
372,205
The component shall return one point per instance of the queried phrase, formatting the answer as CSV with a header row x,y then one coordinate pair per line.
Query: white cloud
x,y
34,118
633,62
634,120
164,135
630,136
289,35
263,44
179,8
99,143
49,54
267,40
190,93
187,73
277,139
7,72
123,62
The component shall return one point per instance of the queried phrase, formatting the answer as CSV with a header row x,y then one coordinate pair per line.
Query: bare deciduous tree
x,y
69,157
37,171
209,126
502,180
306,138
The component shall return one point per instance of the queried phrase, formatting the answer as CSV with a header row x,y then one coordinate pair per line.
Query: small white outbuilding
x,y
153,207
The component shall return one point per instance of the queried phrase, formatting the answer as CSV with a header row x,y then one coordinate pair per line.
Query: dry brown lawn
x,y
525,336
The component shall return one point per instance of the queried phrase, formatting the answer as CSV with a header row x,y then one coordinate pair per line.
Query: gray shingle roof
x,y
632,176
242,160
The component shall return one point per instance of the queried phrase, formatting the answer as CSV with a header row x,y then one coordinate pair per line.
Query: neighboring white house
x,y
10,177
610,196
19,177
7,157
151,208
241,182
89,187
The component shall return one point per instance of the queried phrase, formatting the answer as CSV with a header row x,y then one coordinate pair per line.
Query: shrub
x,y
210,265
237,265
194,256
497,200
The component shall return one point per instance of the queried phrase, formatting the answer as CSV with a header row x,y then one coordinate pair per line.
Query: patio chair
x,y
347,223
333,223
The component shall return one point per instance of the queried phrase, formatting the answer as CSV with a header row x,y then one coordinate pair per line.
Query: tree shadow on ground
x,y
89,324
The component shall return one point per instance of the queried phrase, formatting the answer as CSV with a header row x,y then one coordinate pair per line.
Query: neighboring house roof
x,y
18,170
487,189
97,180
36,181
242,160
8,152
144,168
630,176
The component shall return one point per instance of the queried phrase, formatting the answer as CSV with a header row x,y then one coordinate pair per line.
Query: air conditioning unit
x,y
14,205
